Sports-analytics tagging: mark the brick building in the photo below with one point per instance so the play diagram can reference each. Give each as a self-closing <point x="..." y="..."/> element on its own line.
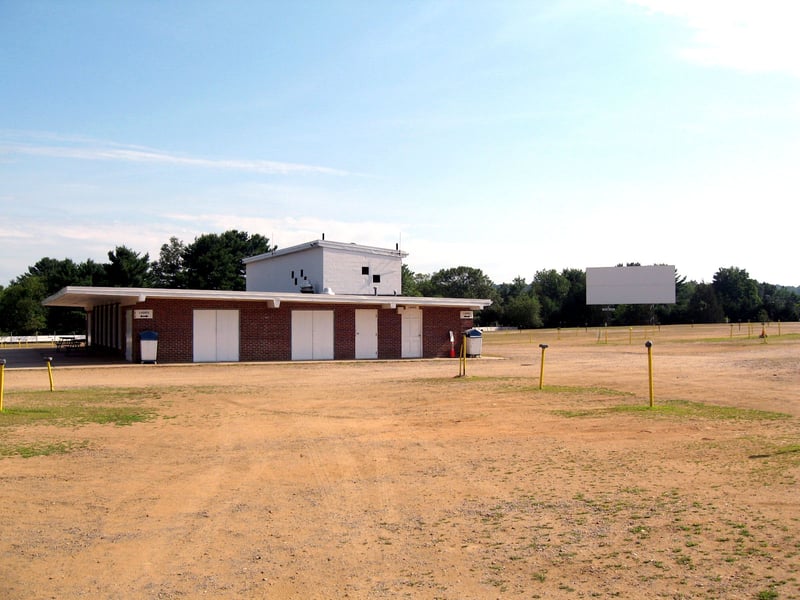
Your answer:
<point x="281" y="324"/>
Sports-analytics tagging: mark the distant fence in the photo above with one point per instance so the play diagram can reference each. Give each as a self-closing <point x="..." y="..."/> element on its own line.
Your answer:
<point x="24" y="340"/>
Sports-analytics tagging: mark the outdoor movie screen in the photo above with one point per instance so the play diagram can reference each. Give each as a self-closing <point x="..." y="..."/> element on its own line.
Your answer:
<point x="630" y="285"/>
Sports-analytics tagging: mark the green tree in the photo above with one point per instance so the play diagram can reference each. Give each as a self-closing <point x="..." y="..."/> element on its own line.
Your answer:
<point x="574" y="311"/>
<point x="678" y="312"/>
<point x="779" y="303"/>
<point x="737" y="293"/>
<point x="410" y="282"/>
<point x="551" y="288"/>
<point x="422" y="283"/>
<point x="214" y="261"/>
<point x="21" y="310"/>
<point x="703" y="306"/>
<point x="509" y="291"/>
<point x="522" y="311"/>
<point x="127" y="268"/>
<point x="55" y="274"/>
<point x="91" y="273"/>
<point x="168" y="270"/>
<point x="462" y="282"/>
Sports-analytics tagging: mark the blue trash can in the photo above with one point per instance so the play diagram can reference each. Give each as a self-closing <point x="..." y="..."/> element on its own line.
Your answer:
<point x="148" y="341"/>
<point x="474" y="343"/>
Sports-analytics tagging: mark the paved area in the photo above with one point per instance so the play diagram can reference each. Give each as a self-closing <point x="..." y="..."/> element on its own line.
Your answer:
<point x="27" y="357"/>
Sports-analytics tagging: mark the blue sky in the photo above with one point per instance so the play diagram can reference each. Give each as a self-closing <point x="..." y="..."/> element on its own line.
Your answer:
<point x="508" y="136"/>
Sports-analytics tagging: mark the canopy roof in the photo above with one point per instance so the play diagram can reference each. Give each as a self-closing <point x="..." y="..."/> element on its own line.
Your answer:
<point x="88" y="297"/>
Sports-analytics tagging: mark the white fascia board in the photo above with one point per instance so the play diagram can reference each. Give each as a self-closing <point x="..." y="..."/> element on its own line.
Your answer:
<point x="281" y="252"/>
<point x="87" y="297"/>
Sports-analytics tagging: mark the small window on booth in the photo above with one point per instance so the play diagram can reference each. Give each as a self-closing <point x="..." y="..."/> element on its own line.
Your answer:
<point x="365" y="270"/>
<point x="376" y="279"/>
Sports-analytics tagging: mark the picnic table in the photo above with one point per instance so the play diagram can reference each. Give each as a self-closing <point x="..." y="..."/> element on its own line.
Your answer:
<point x="67" y="343"/>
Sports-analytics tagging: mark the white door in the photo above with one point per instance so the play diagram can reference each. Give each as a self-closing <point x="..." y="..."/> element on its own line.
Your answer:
<point x="216" y="336"/>
<point x="228" y="335"/>
<point x="204" y="339"/>
<point x="302" y="335"/>
<point x="366" y="333"/>
<point x="312" y="335"/>
<point x="323" y="335"/>
<point x="412" y="332"/>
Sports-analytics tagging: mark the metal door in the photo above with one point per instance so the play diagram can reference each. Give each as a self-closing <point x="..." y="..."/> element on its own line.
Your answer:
<point x="366" y="333"/>
<point x="216" y="336"/>
<point x="312" y="335"/>
<point x="412" y="332"/>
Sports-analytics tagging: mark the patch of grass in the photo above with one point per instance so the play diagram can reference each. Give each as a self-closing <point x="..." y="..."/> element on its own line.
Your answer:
<point x="684" y="410"/>
<point x="592" y="390"/>
<point x="583" y="412"/>
<point x="78" y="407"/>
<point x="742" y="337"/>
<point x="790" y="449"/>
<point x="40" y="449"/>
<point x="769" y="594"/>
<point x="518" y="385"/>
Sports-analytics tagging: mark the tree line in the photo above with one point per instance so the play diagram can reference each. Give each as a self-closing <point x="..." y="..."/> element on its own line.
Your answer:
<point x="551" y="299"/>
<point x="558" y="299"/>
<point x="211" y="262"/>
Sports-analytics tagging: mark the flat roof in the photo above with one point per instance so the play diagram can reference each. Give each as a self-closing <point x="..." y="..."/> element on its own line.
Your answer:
<point x="354" y="248"/>
<point x="88" y="297"/>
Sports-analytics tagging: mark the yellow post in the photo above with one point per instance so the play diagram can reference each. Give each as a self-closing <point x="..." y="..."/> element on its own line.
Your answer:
<point x="48" y="360"/>
<point x="462" y="357"/>
<point x="779" y="329"/>
<point x="2" y="380"/>
<point x="731" y="330"/>
<point x="630" y="335"/>
<point x="649" y="346"/>
<point x="541" y="366"/>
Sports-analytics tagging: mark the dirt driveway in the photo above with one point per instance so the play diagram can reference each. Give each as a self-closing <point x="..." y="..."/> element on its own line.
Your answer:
<point x="398" y="479"/>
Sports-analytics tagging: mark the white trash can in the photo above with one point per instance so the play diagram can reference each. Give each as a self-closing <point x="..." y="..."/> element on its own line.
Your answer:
<point x="474" y="342"/>
<point x="148" y="341"/>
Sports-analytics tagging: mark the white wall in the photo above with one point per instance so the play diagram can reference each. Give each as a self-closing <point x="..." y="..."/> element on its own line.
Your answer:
<point x="339" y="269"/>
<point x="287" y="272"/>
<point x="344" y="272"/>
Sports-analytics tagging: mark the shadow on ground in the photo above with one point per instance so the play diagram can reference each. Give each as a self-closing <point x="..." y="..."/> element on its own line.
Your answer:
<point x="26" y="357"/>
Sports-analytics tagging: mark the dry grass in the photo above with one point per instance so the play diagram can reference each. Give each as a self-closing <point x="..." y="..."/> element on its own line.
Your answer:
<point x="398" y="479"/>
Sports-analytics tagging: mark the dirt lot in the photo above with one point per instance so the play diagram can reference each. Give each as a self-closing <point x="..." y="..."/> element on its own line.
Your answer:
<point x="399" y="479"/>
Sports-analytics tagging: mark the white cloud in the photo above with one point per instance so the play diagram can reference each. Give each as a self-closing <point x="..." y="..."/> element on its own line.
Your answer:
<point x="79" y="148"/>
<point x="738" y="34"/>
<point x="288" y="231"/>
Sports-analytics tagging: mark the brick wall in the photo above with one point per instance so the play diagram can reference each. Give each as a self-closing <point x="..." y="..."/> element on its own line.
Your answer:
<point x="437" y="323"/>
<point x="390" y="341"/>
<point x="344" y="332"/>
<point x="265" y="333"/>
